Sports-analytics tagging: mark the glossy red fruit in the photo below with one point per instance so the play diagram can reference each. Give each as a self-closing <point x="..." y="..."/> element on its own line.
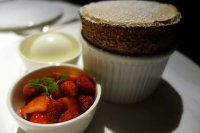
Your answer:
<point x="57" y="94"/>
<point x="68" y="88"/>
<point x="72" y="77"/>
<point x="86" y="85"/>
<point x="30" y="92"/>
<point x="54" y="111"/>
<point x="85" y="102"/>
<point x="69" y="102"/>
<point x="38" y="104"/>
<point x="68" y="115"/>
<point x="55" y="75"/>
<point x="39" y="117"/>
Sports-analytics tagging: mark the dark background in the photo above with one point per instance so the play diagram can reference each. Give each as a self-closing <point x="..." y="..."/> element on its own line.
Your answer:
<point x="187" y="29"/>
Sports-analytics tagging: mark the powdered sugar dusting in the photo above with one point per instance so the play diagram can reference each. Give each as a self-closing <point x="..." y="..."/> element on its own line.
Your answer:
<point x="128" y="12"/>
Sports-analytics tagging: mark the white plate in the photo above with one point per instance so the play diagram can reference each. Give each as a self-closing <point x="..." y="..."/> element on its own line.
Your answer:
<point x="174" y="107"/>
<point x="24" y="14"/>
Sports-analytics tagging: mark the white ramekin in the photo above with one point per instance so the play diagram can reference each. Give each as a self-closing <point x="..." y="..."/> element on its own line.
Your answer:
<point x="124" y="79"/>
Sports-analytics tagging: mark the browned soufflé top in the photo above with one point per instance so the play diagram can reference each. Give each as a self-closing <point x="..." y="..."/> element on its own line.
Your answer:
<point x="130" y="27"/>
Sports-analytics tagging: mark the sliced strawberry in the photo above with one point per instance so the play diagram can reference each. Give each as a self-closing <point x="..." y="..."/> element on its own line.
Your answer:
<point x="85" y="102"/>
<point x="54" y="110"/>
<point x="38" y="104"/>
<point x="68" y="115"/>
<point x="39" y="117"/>
<point x="57" y="94"/>
<point x="30" y="92"/>
<point x="86" y="85"/>
<point x="55" y="75"/>
<point x="68" y="88"/>
<point x="69" y="102"/>
<point x="72" y="77"/>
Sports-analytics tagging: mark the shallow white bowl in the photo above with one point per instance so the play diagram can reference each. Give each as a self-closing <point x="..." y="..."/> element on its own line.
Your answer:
<point x="49" y="48"/>
<point x="16" y="15"/>
<point x="124" y="79"/>
<point x="15" y="101"/>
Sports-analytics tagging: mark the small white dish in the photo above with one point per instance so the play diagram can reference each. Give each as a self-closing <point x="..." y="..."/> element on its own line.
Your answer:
<point x="17" y="15"/>
<point x="15" y="101"/>
<point x="47" y="48"/>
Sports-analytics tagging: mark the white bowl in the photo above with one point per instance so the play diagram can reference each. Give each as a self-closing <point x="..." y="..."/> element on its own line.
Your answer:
<point x="124" y="79"/>
<point x="47" y="48"/>
<point x="15" y="101"/>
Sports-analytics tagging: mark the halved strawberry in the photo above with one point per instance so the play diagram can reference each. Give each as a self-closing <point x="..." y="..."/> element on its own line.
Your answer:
<point x="68" y="88"/>
<point x="86" y="85"/>
<point x="39" y="117"/>
<point x="55" y="75"/>
<point x="69" y="102"/>
<point x="54" y="111"/>
<point x="30" y="92"/>
<point x="38" y="104"/>
<point x="68" y="115"/>
<point x="85" y="102"/>
<point x="72" y="77"/>
<point x="57" y="94"/>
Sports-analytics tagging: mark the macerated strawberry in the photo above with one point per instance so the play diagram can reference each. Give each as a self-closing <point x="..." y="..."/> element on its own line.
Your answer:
<point x="68" y="88"/>
<point x="55" y="75"/>
<point x="69" y="102"/>
<point x="57" y="94"/>
<point x="68" y="115"/>
<point x="54" y="111"/>
<point x="39" y="117"/>
<point x="38" y="104"/>
<point x="30" y="92"/>
<point x="86" y="85"/>
<point x="72" y="77"/>
<point x="85" y="102"/>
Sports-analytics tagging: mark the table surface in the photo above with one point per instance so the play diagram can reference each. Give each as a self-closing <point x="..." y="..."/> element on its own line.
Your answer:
<point x="174" y="107"/>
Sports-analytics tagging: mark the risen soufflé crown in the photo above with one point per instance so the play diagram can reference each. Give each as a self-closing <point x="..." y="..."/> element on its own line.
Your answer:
<point x="130" y="27"/>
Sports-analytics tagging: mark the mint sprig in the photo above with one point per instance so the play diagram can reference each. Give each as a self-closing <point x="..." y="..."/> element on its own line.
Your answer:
<point x="61" y="78"/>
<point x="46" y="84"/>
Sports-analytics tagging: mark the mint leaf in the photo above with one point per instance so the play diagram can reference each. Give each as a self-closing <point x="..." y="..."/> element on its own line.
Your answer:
<point x="52" y="87"/>
<point x="62" y="77"/>
<point x="46" y="84"/>
<point x="37" y="84"/>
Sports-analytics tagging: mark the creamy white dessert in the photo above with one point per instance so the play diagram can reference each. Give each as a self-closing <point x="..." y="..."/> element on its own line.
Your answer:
<point x="51" y="47"/>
